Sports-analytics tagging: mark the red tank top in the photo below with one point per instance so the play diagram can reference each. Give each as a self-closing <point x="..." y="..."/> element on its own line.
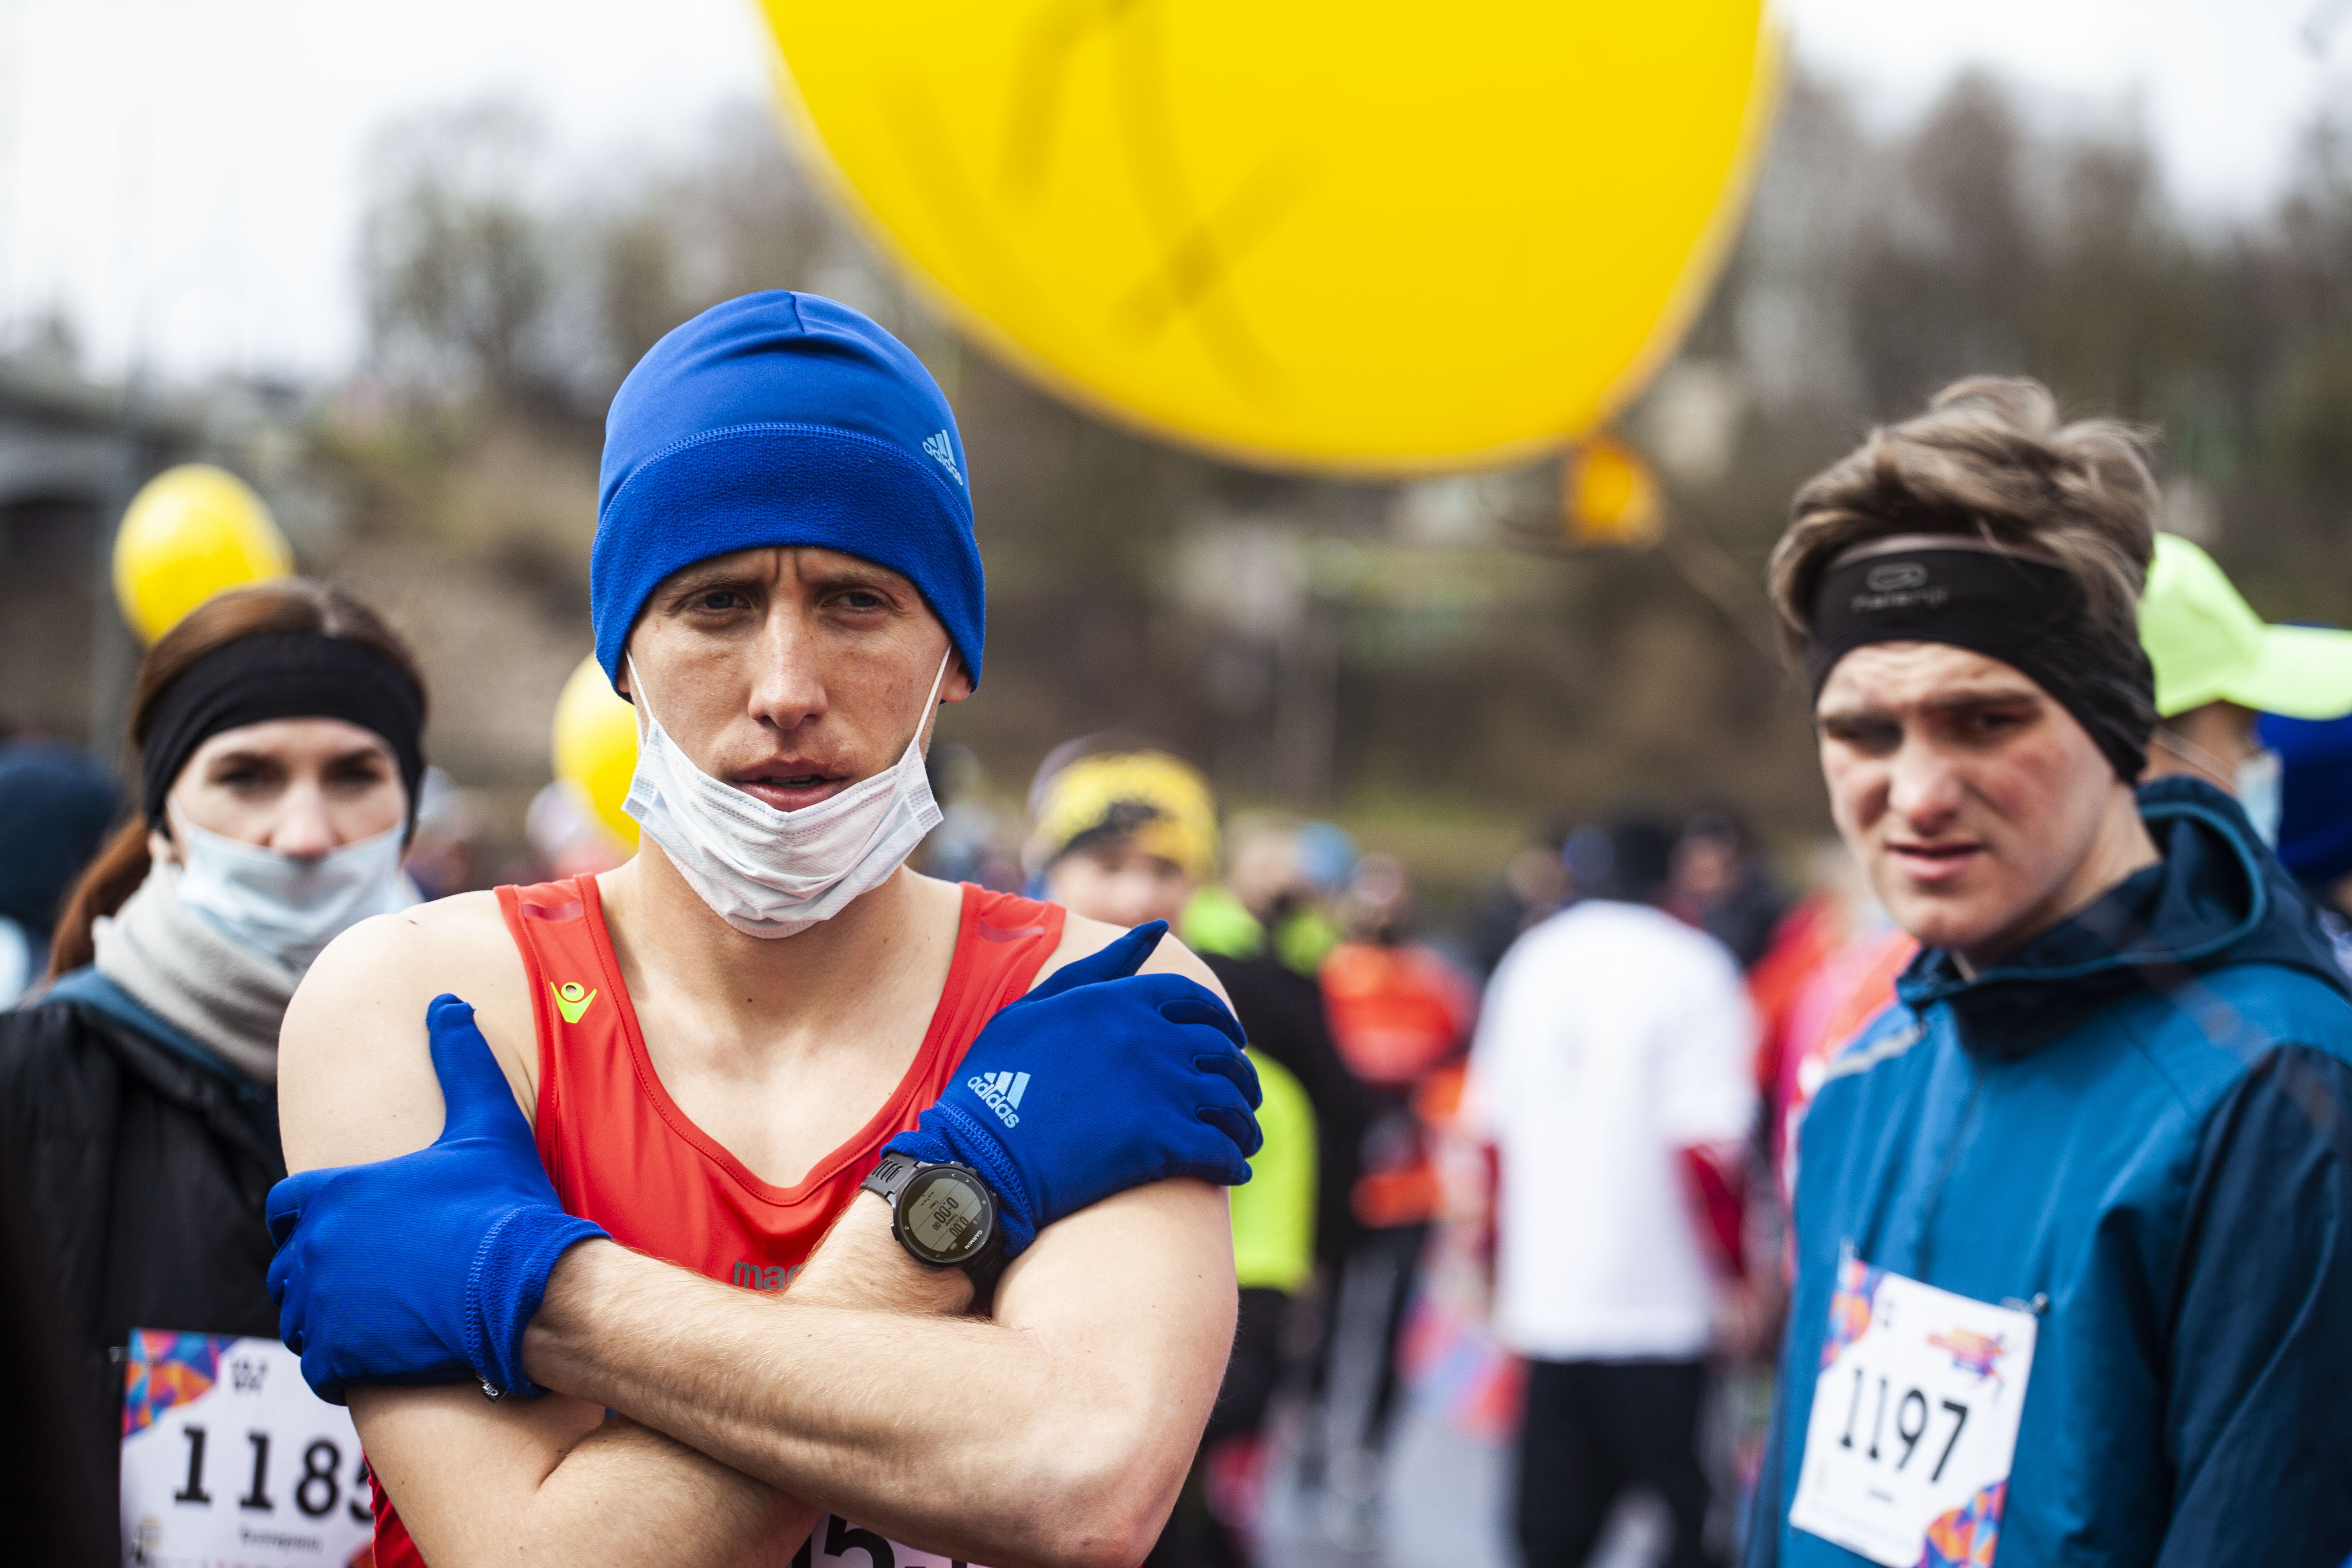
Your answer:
<point x="622" y="1153"/>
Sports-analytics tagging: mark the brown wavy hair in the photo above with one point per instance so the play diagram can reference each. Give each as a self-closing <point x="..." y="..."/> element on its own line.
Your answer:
<point x="1990" y="458"/>
<point x="289" y="605"/>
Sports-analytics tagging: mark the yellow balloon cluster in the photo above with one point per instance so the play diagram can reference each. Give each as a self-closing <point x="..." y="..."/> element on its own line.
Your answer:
<point x="190" y="532"/>
<point x="595" y="746"/>
<point x="1377" y="237"/>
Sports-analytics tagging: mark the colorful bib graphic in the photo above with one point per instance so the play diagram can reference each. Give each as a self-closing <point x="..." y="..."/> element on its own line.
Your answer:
<point x="1964" y="1538"/>
<point x="166" y="1369"/>
<point x="1849" y="1306"/>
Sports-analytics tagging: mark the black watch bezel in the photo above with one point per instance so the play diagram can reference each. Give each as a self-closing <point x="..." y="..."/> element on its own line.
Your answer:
<point x="904" y="1182"/>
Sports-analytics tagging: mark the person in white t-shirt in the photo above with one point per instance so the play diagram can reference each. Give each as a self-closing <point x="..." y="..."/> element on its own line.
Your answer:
<point x="1611" y="1071"/>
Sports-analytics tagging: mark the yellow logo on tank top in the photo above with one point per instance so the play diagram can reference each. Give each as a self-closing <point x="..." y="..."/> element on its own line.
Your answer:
<point x="571" y="999"/>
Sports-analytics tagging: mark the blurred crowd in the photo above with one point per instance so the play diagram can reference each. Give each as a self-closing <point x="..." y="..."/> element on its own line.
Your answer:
<point x="1645" y="1197"/>
<point x="1380" y="1200"/>
<point x="1531" y="1167"/>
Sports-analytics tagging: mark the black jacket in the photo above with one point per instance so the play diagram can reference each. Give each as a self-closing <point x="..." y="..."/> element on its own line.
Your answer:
<point x="146" y="1169"/>
<point x="1282" y="1012"/>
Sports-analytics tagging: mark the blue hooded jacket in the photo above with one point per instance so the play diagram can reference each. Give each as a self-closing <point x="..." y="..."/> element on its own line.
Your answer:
<point x="2141" y="1122"/>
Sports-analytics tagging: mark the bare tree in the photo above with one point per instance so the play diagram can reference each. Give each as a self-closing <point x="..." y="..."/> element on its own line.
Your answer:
<point x="454" y="258"/>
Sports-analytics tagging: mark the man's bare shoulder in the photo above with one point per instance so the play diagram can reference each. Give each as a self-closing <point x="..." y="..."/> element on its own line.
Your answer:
<point x="446" y="927"/>
<point x="355" y="1071"/>
<point x="457" y="943"/>
<point x="1081" y="936"/>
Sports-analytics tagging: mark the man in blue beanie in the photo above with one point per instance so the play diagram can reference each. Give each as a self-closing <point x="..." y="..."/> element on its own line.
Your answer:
<point x="980" y="1149"/>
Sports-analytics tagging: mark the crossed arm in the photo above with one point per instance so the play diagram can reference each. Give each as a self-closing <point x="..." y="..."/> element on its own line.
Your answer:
<point x="1055" y="1435"/>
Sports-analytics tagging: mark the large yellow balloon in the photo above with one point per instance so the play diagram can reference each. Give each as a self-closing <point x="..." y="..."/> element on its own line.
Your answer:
<point x="596" y="746"/>
<point x="188" y="533"/>
<point x="1372" y="238"/>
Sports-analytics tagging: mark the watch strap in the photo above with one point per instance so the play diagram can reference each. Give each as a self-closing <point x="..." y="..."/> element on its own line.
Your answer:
<point x="984" y="1266"/>
<point x="889" y="1177"/>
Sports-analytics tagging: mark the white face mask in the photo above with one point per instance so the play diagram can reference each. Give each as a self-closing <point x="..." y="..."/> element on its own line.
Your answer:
<point x="2261" y="783"/>
<point x="774" y="873"/>
<point x="284" y="907"/>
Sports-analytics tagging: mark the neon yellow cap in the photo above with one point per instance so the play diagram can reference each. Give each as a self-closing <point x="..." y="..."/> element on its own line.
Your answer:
<point x="2208" y="646"/>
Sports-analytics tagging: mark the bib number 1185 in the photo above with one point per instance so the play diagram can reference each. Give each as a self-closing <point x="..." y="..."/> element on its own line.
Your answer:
<point x="227" y="1456"/>
<point x="315" y="1492"/>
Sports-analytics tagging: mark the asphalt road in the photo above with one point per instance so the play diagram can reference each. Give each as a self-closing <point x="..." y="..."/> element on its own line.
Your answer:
<point x="1444" y="1505"/>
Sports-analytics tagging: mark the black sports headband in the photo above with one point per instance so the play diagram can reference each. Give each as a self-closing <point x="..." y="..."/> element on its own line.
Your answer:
<point x="282" y="675"/>
<point x="2020" y="609"/>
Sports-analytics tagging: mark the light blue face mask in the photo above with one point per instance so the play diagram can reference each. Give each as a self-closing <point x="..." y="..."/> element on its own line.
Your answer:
<point x="2260" y="785"/>
<point x="284" y="907"/>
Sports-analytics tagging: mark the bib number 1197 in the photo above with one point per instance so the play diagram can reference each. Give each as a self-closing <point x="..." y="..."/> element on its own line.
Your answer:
<point x="1914" y="1423"/>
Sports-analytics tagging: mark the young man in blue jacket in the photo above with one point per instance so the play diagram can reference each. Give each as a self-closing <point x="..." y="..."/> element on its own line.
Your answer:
<point x="2073" y="1219"/>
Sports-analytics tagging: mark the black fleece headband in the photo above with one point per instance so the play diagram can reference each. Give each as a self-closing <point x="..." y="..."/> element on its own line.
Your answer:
<point x="282" y="675"/>
<point x="2020" y="609"/>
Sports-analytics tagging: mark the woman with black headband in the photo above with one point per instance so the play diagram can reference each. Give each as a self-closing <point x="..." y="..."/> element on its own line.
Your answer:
<point x="2072" y="1219"/>
<point x="278" y="731"/>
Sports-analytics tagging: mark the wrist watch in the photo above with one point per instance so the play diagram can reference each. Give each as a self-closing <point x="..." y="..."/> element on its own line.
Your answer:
<point x="944" y="1216"/>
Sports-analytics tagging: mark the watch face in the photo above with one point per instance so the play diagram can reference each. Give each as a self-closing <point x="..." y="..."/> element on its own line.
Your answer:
<point x="945" y="1215"/>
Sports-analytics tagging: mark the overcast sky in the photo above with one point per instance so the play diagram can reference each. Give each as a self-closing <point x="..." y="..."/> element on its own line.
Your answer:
<point x="181" y="177"/>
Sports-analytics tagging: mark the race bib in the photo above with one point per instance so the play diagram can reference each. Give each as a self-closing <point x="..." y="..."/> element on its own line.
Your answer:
<point x="227" y="1456"/>
<point x="837" y="1543"/>
<point x="1915" y="1421"/>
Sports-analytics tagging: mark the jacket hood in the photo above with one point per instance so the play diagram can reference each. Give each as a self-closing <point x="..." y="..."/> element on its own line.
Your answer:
<point x="2218" y="896"/>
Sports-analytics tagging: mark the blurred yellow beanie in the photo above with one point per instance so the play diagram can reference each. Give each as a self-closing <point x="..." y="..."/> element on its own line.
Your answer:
<point x="1160" y="803"/>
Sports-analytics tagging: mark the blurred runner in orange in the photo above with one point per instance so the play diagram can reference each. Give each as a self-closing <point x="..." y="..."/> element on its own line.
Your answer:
<point x="1400" y="1012"/>
<point x="1831" y="970"/>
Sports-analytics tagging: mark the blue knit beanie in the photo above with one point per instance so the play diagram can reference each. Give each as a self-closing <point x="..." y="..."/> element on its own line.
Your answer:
<point x="2314" y="797"/>
<point x="779" y="420"/>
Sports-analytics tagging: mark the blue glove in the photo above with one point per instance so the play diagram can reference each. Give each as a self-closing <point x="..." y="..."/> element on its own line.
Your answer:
<point x="425" y="1268"/>
<point x="1098" y="1080"/>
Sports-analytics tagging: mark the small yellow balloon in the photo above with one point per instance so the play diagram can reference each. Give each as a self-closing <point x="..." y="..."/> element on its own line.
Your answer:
<point x="1372" y="237"/>
<point x="190" y="532"/>
<point x="1612" y="496"/>
<point x="595" y="746"/>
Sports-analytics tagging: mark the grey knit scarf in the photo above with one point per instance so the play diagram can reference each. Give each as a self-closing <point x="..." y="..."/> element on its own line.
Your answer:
<point x="184" y="970"/>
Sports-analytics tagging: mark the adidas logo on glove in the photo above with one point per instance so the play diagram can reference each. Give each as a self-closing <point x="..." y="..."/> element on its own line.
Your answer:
<point x="1002" y="1092"/>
